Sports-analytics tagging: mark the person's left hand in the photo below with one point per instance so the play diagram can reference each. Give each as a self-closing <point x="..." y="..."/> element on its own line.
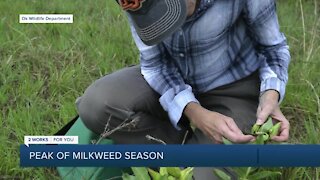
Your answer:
<point x="269" y="106"/>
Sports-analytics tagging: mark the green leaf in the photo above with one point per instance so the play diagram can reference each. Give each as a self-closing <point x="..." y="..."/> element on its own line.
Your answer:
<point x="241" y="172"/>
<point x="274" y="131"/>
<point x="266" y="126"/>
<point x="174" y="171"/>
<point x="226" y="141"/>
<point x="264" y="174"/>
<point x="126" y="176"/>
<point x="244" y="171"/>
<point x="221" y="174"/>
<point x="186" y="174"/>
<point x="141" y="173"/>
<point x="255" y="128"/>
<point x="259" y="139"/>
<point x="253" y="169"/>
<point x="155" y="175"/>
<point x="163" y="171"/>
<point x="265" y="137"/>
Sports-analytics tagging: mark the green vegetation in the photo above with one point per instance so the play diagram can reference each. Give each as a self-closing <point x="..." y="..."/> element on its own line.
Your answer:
<point x="44" y="68"/>
<point x="165" y="173"/>
<point x="263" y="133"/>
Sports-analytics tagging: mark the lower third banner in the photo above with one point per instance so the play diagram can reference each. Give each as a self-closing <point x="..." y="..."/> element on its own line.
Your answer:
<point x="170" y="155"/>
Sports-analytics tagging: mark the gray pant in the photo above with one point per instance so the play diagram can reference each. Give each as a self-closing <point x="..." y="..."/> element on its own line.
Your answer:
<point x="124" y="95"/>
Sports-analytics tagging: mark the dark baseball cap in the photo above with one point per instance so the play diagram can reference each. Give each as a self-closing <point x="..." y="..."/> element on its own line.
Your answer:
<point x="154" y="20"/>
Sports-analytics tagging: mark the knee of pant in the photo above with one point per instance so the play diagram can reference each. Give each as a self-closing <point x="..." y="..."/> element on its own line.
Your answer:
<point x="91" y="108"/>
<point x="98" y="103"/>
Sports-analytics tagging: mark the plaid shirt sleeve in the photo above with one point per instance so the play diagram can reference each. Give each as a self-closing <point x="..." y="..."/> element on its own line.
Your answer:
<point x="263" y="23"/>
<point x="163" y="76"/>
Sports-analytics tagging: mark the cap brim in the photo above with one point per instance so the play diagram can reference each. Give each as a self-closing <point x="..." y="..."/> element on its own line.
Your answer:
<point x="158" y="19"/>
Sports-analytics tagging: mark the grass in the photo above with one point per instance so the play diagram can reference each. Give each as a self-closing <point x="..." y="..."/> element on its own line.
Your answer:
<point x="44" y="68"/>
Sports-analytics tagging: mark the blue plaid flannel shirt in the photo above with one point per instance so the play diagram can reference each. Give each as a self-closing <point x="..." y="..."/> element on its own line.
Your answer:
<point x="222" y="42"/>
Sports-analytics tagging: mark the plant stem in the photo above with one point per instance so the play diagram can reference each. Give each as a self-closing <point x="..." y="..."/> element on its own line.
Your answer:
<point x="303" y="27"/>
<point x="248" y="172"/>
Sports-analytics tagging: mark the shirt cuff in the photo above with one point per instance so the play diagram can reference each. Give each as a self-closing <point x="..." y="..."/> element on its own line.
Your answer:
<point x="274" y="84"/>
<point x="175" y="104"/>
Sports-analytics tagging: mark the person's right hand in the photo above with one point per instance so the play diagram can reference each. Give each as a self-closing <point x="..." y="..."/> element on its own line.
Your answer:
<point x="215" y="125"/>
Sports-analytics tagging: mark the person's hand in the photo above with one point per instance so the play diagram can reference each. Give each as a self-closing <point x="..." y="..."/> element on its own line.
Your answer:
<point x="215" y="125"/>
<point x="269" y="106"/>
